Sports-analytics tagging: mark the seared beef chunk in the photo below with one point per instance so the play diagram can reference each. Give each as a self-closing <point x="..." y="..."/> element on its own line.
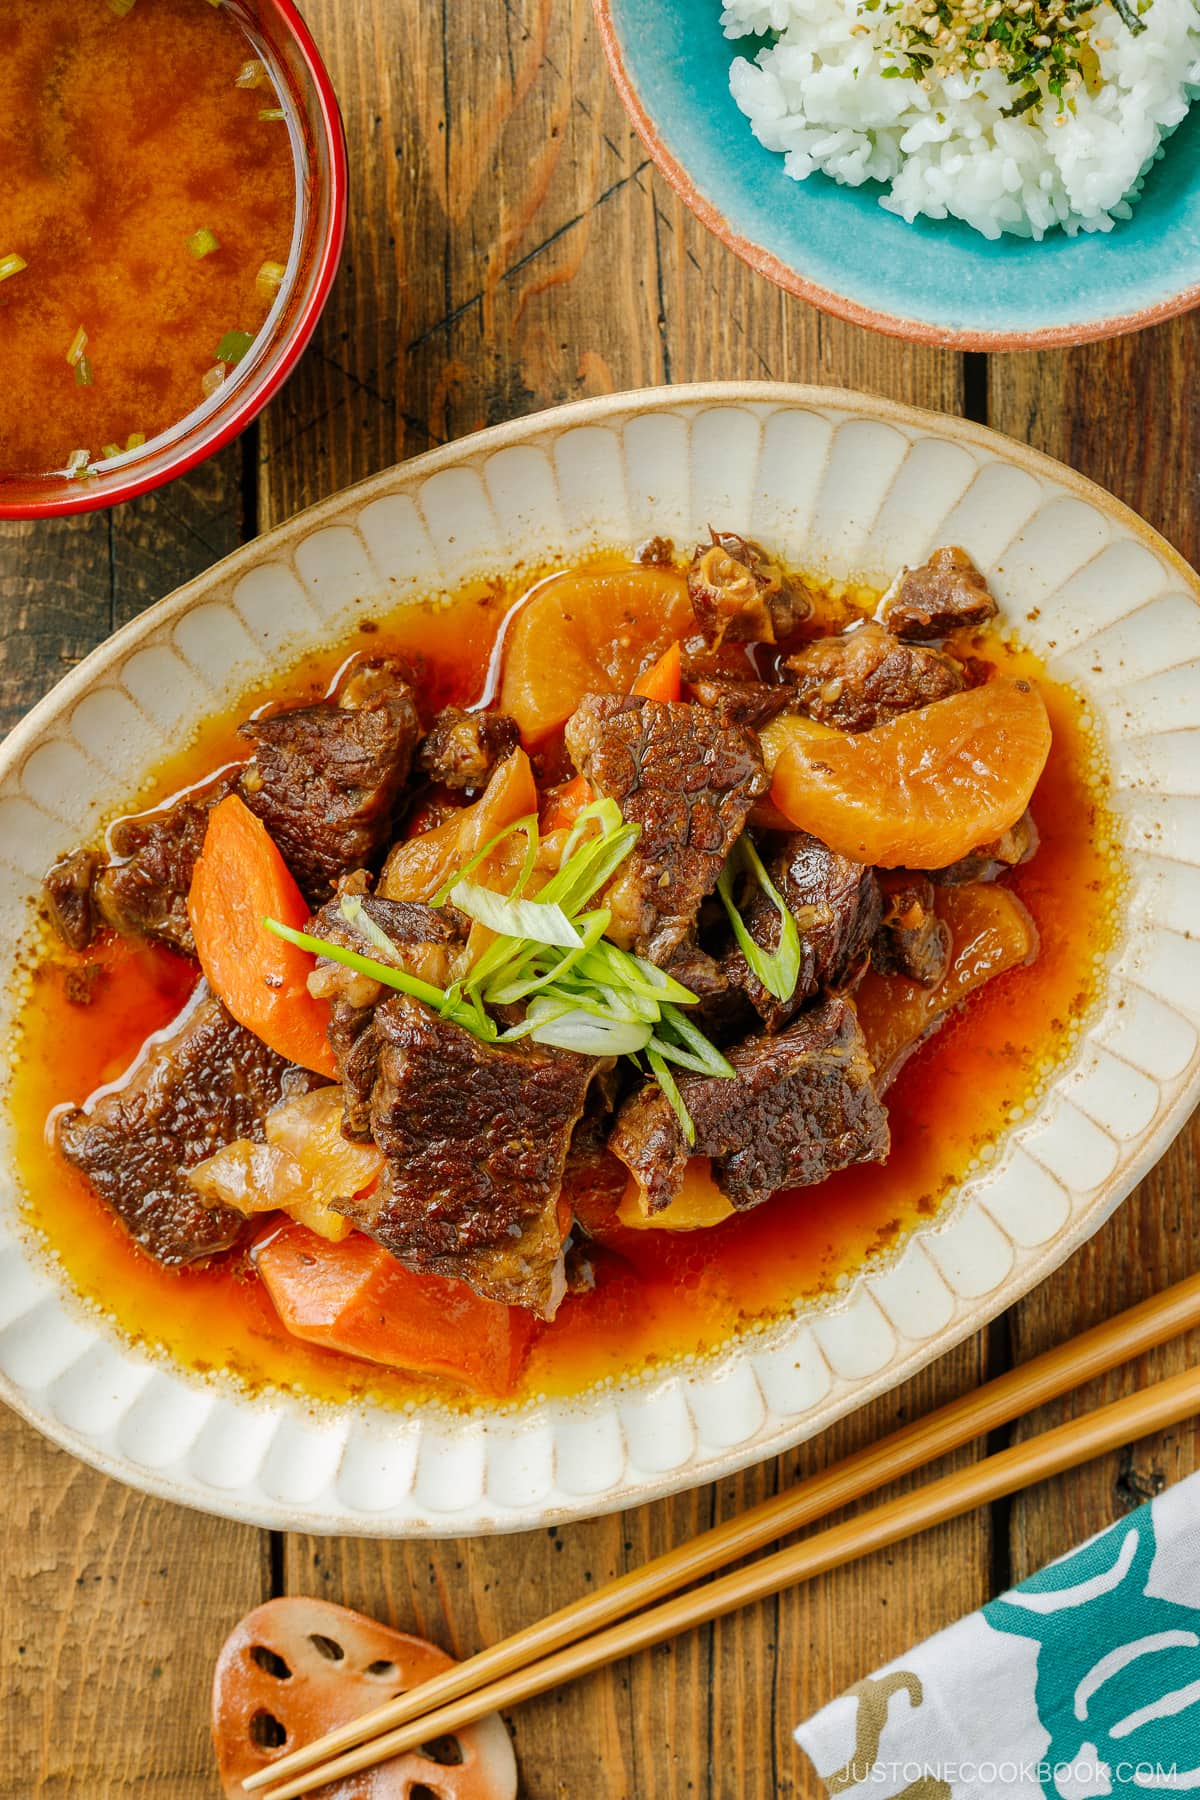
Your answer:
<point x="866" y="677"/>
<point x="68" y="892"/>
<point x="739" y="593"/>
<point x="476" y="1139"/>
<point x="697" y="970"/>
<point x="588" y="1161"/>
<point x="727" y="683"/>
<point x="943" y="594"/>
<point x="1016" y="846"/>
<point x="801" y="1106"/>
<point x="911" y="941"/>
<point x="210" y="1081"/>
<point x="463" y="749"/>
<point x="412" y="928"/>
<point x="325" y="779"/>
<point x="143" y="891"/>
<point x="835" y="903"/>
<point x="688" y="780"/>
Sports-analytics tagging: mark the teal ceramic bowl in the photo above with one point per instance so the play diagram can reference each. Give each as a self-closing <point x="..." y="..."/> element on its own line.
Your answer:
<point x="932" y="282"/>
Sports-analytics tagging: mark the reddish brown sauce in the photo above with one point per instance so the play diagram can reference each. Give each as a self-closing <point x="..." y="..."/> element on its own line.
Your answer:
<point x="659" y="1295"/>
<point x="121" y="139"/>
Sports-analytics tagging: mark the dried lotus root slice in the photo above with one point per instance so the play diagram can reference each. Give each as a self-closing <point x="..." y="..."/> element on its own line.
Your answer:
<point x="296" y="1668"/>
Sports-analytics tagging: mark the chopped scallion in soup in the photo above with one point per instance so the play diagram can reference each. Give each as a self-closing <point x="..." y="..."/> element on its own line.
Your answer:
<point x="146" y="217"/>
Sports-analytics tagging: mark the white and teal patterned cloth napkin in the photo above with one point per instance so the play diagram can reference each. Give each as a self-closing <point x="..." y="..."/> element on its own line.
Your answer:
<point x="1083" y="1681"/>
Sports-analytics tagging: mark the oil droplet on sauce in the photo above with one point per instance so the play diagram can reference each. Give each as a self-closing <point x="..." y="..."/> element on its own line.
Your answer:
<point x="658" y="1296"/>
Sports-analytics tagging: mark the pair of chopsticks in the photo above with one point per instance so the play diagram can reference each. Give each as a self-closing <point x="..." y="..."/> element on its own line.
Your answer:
<point x="598" y="1629"/>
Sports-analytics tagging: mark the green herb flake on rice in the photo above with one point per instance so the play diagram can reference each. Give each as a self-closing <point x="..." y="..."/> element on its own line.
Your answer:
<point x="1016" y="116"/>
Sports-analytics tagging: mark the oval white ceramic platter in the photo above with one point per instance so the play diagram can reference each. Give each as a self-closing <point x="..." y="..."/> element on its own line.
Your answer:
<point x="835" y="481"/>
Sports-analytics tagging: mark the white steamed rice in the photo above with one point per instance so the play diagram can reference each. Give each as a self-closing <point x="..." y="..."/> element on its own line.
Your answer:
<point x="818" y="95"/>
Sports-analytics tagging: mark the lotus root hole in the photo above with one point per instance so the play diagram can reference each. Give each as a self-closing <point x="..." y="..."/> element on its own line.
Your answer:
<point x="383" y="1670"/>
<point x="268" y="1732"/>
<point x="327" y="1647"/>
<point x="444" y="1750"/>
<point x="271" y="1662"/>
<point x="421" y="1792"/>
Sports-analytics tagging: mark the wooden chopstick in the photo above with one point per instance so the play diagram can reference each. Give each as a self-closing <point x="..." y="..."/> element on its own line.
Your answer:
<point x="1104" y="1347"/>
<point x="1077" y="1441"/>
<point x="1020" y="1390"/>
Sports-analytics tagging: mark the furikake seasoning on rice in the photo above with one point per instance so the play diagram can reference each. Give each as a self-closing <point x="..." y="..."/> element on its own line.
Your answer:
<point x="1013" y="115"/>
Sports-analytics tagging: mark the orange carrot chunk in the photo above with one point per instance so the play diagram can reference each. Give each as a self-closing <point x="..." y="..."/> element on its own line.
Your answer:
<point x="239" y="880"/>
<point x="356" y="1298"/>
<point x="663" y="680"/>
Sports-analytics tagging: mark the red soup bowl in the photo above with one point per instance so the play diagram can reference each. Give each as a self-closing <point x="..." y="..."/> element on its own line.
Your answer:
<point x="319" y="147"/>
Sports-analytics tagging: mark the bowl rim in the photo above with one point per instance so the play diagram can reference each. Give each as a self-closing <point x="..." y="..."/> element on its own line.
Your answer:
<point x="485" y="1518"/>
<point x="327" y="120"/>
<point x="841" y="306"/>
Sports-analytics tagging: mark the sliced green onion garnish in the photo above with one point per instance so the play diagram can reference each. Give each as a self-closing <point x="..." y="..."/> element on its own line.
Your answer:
<point x="585" y="1033"/>
<point x="582" y="993"/>
<point x="666" y="1082"/>
<point x="233" y="346"/>
<point x="78" y="346"/>
<point x="610" y="964"/>
<point x="537" y="970"/>
<point x="532" y="920"/>
<point x="678" y="1025"/>
<point x="108" y="451"/>
<point x="477" y="1023"/>
<point x="212" y="379"/>
<point x="271" y="112"/>
<point x="591" y="866"/>
<point x="606" y="813"/>
<point x="269" y="280"/>
<point x="528" y="824"/>
<point x="121" y="7"/>
<point x="12" y="264"/>
<point x="135" y="440"/>
<point x="360" y="920"/>
<point x="83" y="372"/>
<point x="78" y="465"/>
<point x="700" y="1065"/>
<point x="778" y="969"/>
<point x="251" y="74"/>
<point x="203" y="242"/>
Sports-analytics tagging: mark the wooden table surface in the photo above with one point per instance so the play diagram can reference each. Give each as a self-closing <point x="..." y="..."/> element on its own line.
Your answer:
<point x="511" y="247"/>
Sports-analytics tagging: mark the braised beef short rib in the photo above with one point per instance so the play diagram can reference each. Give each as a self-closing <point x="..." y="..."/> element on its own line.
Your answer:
<point x="740" y="594"/>
<point x="476" y="1138"/>
<point x="204" y="1083"/>
<point x="911" y="940"/>
<point x="945" y="594"/>
<point x="67" y="891"/>
<point x="464" y="749"/>
<point x="801" y="1106"/>
<point x="866" y="676"/>
<point x="411" y="927"/>
<point x="835" y="903"/>
<point x="688" y="779"/>
<point x="325" y="779"/>
<point x="142" y="889"/>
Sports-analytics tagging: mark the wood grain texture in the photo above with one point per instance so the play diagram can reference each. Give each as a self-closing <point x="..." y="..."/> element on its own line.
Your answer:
<point x="112" y="1609"/>
<point x="1123" y="413"/>
<point x="510" y="248"/>
<point x="67" y="584"/>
